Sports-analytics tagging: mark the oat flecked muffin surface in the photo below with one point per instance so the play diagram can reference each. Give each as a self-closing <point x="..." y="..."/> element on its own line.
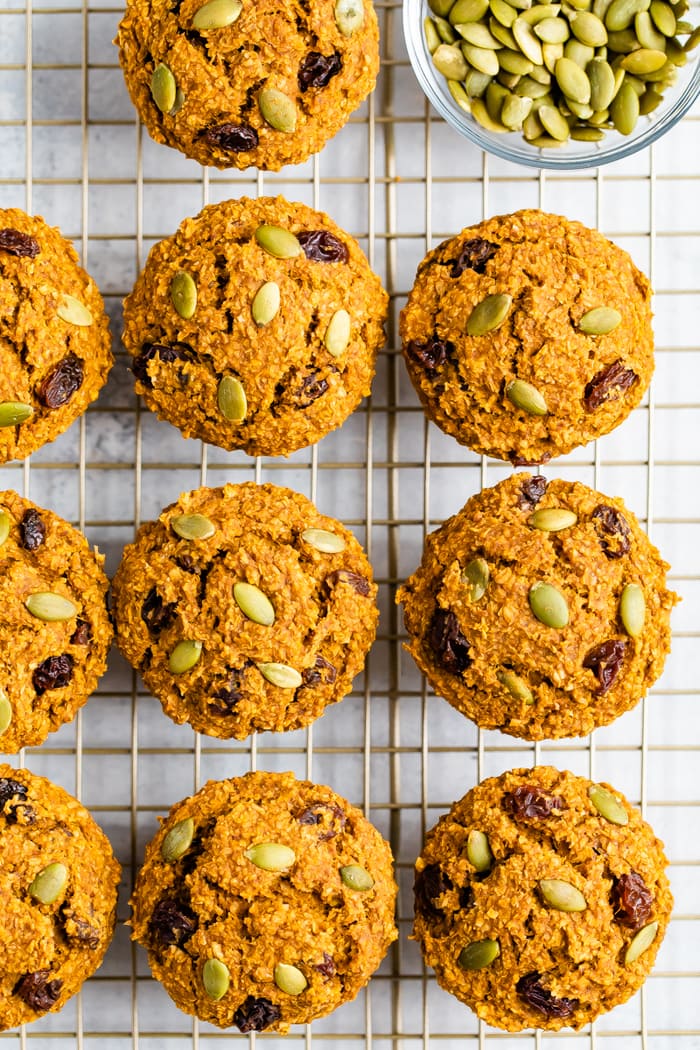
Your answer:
<point x="54" y="338"/>
<point x="264" y="901"/>
<point x="528" y="335"/>
<point x="245" y="609"/>
<point x="255" y="326"/>
<point x="540" y="609"/>
<point x="53" y="616"/>
<point x="58" y="883"/>
<point x="541" y="899"/>
<point x="254" y="83"/>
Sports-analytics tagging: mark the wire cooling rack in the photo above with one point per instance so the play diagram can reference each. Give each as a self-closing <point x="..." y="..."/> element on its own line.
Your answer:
<point x="400" y="180"/>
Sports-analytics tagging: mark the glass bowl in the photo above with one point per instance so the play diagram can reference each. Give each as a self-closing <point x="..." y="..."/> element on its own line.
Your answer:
<point x="511" y="145"/>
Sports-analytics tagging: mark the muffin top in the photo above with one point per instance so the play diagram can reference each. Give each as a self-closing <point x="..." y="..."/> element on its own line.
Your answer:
<point x="264" y="901"/>
<point x="236" y="83"/>
<point x="527" y="335"/>
<point x="55" y="350"/>
<point x="541" y="899"/>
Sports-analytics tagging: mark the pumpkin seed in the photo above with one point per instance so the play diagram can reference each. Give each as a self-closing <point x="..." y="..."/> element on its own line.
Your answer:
<point x="647" y="34"/>
<point x="589" y="29"/>
<point x="266" y="303"/>
<point x="548" y="605"/>
<point x="489" y="314"/>
<point x="356" y="878"/>
<point x="4" y="526"/>
<point x="445" y="31"/>
<point x="278" y="110"/>
<point x="649" y="101"/>
<point x="552" y="30"/>
<point x="231" y="398"/>
<point x="281" y="675"/>
<point x="526" y="397"/>
<point x="640" y="942"/>
<point x="216" y="14"/>
<point x="527" y="41"/>
<point x="50" y="607"/>
<point x="516" y="686"/>
<point x="514" y="62"/>
<point x="271" y="856"/>
<point x="515" y="110"/>
<point x="539" y="12"/>
<point x="624" y="109"/>
<point x="12" y="413"/>
<point x="553" y="122"/>
<point x="163" y="88"/>
<point x="663" y="17"/>
<point x="476" y="83"/>
<point x="600" y="320"/>
<point x="552" y="519"/>
<point x="289" y="979"/>
<point x="432" y="38"/>
<point x="5" y="711"/>
<point x="609" y="807"/>
<point x="337" y="334"/>
<point x="479" y="954"/>
<point x="50" y="883"/>
<point x="496" y="94"/>
<point x="278" y="242"/>
<point x="177" y="841"/>
<point x="632" y="609"/>
<point x="643" y="61"/>
<point x="215" y="978"/>
<point x="481" y="58"/>
<point x="602" y="80"/>
<point x="192" y="526"/>
<point x="350" y="16"/>
<point x="254" y="604"/>
<point x="551" y="53"/>
<point x="72" y="311"/>
<point x="572" y="80"/>
<point x="449" y="60"/>
<point x="562" y="895"/>
<point x="479" y="852"/>
<point x="576" y="109"/>
<point x="693" y="40"/>
<point x="459" y="95"/>
<point x="440" y="7"/>
<point x="503" y="12"/>
<point x="621" y="13"/>
<point x="468" y="11"/>
<point x="529" y="88"/>
<point x="183" y="293"/>
<point x="478" y="34"/>
<point x="481" y="116"/>
<point x="476" y="575"/>
<point x="184" y="656"/>
<point x="321" y="540"/>
<point x="532" y="128"/>
<point x="541" y="75"/>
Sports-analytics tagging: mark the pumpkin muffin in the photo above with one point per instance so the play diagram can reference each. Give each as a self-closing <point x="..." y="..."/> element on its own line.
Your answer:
<point x="540" y="609"/>
<point x="58" y="883"/>
<point x="541" y="900"/>
<point x="55" y="351"/>
<point x="264" y="901"/>
<point x="255" y="326"/>
<point x="245" y="609"/>
<point x="528" y="335"/>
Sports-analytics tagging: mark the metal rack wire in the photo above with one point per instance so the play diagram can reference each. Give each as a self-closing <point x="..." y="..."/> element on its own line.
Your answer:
<point x="396" y="177"/>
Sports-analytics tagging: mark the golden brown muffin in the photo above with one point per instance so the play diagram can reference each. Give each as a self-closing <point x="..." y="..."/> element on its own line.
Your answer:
<point x="264" y="901"/>
<point x="541" y="899"/>
<point x="255" y="326"/>
<point x="54" y="337"/>
<point x="54" y="620"/>
<point x="58" y="884"/>
<point x="245" y="609"/>
<point x="528" y="335"/>
<point x="254" y="83"/>
<point x="539" y="609"/>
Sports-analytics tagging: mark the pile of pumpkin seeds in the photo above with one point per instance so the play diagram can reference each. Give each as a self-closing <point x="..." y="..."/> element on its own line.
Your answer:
<point x="560" y="70"/>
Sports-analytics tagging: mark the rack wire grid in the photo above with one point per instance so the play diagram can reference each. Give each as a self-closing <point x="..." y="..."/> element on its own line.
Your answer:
<point x="399" y="179"/>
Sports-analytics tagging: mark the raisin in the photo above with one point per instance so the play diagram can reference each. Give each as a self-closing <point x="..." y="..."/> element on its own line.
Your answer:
<point x="227" y="697"/>
<point x="608" y="384"/>
<point x="330" y="816"/>
<point x="79" y="930"/>
<point x="322" y="246"/>
<point x="157" y="614"/>
<point x="531" y="492"/>
<point x="632" y="900"/>
<point x="521" y="461"/>
<point x="58" y="387"/>
<point x="327" y="967"/>
<point x="82" y="634"/>
<point x="466" y="895"/>
<point x="527" y="802"/>
<point x="605" y="661"/>
<point x="254" y="1015"/>
<point x="32" y="530"/>
<point x="11" y="790"/>
<point x="429" y="884"/>
<point x="16" y="243"/>
<point x="360" y="584"/>
<point x="187" y="563"/>
<point x="171" y="923"/>
<point x="431" y="354"/>
<point x="317" y="70"/>
<point x="322" y="672"/>
<point x="311" y="389"/>
<point x="612" y="530"/>
<point x="531" y="991"/>
<point x="54" y="673"/>
<point x="448" y="643"/>
<point x="37" y="991"/>
<point x="236" y="138"/>
<point x="474" y="255"/>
